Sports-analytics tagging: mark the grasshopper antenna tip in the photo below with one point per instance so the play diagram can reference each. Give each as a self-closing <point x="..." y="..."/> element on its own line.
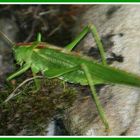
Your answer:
<point x="5" y="37"/>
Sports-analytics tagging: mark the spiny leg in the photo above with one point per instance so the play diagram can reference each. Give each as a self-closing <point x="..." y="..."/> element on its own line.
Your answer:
<point x="82" y="34"/>
<point x="94" y="96"/>
<point x="25" y="67"/>
<point x="90" y="28"/>
<point x="98" y="42"/>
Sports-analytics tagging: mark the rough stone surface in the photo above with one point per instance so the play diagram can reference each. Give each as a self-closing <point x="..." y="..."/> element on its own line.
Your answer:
<point x="119" y="28"/>
<point x="10" y="29"/>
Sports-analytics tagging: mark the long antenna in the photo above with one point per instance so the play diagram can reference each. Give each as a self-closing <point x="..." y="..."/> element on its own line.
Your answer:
<point x="6" y="38"/>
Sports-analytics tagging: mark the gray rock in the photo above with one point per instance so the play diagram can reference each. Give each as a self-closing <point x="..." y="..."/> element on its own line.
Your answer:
<point x="50" y="131"/>
<point x="10" y="29"/>
<point x="119" y="28"/>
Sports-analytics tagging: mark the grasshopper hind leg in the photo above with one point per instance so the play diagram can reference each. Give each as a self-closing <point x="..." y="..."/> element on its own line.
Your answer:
<point x="82" y="34"/>
<point x="90" y="28"/>
<point x="95" y="97"/>
<point x="98" y="41"/>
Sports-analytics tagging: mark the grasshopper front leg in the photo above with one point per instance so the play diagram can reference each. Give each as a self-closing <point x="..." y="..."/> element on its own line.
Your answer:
<point x="94" y="96"/>
<point x="25" y="68"/>
<point x="90" y="28"/>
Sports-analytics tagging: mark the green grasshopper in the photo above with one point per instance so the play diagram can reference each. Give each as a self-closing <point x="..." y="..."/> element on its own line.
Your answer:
<point x="70" y="66"/>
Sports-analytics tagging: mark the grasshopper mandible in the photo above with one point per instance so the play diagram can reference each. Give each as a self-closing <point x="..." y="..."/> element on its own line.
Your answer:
<point x="70" y="66"/>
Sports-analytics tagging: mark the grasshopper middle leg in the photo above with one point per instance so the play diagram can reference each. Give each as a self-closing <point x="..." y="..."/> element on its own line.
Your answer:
<point x="93" y="90"/>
